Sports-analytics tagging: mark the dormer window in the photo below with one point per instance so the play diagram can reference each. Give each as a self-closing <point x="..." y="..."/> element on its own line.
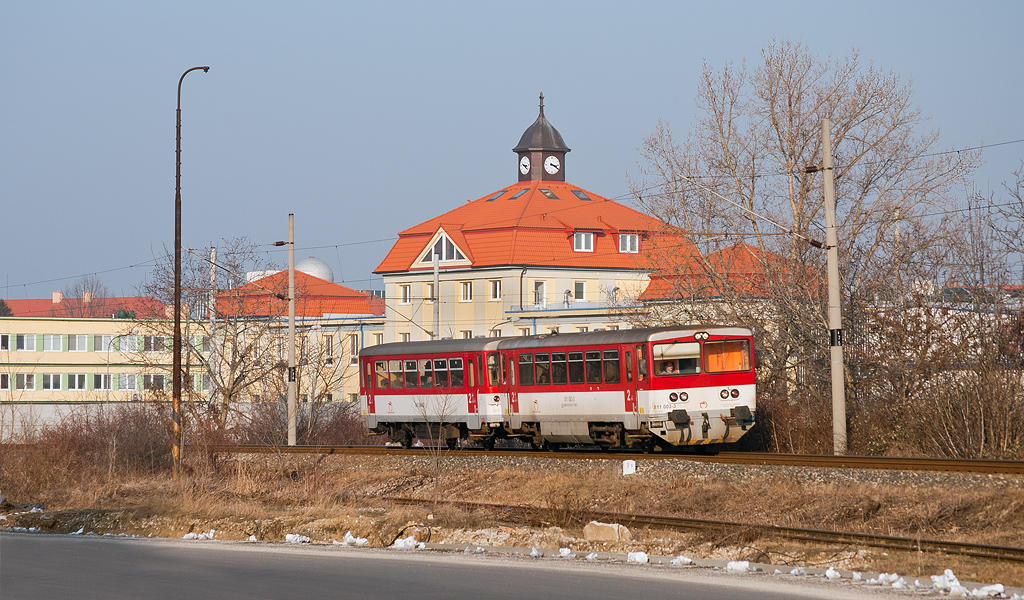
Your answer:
<point x="629" y="243"/>
<point x="549" y="194"/>
<point x="583" y="241"/>
<point x="445" y="251"/>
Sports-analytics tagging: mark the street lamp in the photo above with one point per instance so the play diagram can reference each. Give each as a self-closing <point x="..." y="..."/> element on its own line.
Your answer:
<point x="510" y="320"/>
<point x="176" y="368"/>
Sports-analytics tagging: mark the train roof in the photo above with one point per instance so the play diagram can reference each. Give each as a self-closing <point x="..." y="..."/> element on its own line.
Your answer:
<point x="618" y="336"/>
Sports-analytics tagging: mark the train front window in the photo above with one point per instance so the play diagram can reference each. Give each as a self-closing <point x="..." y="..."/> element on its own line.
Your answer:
<point x="677" y="358"/>
<point x="455" y="372"/>
<point x="575" y="367"/>
<point x="426" y="373"/>
<point x="559" y="372"/>
<point x="493" y="369"/>
<point x="440" y="373"/>
<point x="543" y="368"/>
<point x="611" y="366"/>
<point x="525" y="369"/>
<point x="727" y="355"/>
<point x="593" y="366"/>
<point x="397" y="380"/>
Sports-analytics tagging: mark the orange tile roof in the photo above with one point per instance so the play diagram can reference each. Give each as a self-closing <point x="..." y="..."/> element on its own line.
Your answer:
<point x="144" y="307"/>
<point x="533" y="229"/>
<point x="314" y="297"/>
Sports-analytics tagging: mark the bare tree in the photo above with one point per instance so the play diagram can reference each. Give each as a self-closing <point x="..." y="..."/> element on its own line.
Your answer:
<point x="85" y="297"/>
<point x="738" y="184"/>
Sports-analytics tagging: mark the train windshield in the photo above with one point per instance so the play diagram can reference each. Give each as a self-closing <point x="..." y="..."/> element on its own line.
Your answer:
<point x="727" y="355"/>
<point x="677" y="358"/>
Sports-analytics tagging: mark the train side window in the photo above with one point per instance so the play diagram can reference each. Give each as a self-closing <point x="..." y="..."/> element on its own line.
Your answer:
<point x="440" y="372"/>
<point x="641" y="362"/>
<point x="525" y="369"/>
<point x="727" y="355"/>
<point x="559" y="372"/>
<point x="471" y="371"/>
<point x="629" y="366"/>
<point x="410" y="373"/>
<point x="367" y="374"/>
<point x="575" y="367"/>
<point x="382" y="375"/>
<point x="426" y="373"/>
<point x="455" y="373"/>
<point x="593" y="366"/>
<point x="511" y="372"/>
<point x="493" y="368"/>
<point x="543" y="368"/>
<point x="395" y="369"/>
<point x="611" y="366"/>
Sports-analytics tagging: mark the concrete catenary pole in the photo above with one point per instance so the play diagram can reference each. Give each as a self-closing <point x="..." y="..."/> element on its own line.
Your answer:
<point x="213" y="323"/>
<point x="292" y="409"/>
<point x="435" y="333"/>
<point x="835" y="315"/>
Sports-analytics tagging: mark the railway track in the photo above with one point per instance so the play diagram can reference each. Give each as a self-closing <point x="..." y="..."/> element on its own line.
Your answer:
<point x="975" y="466"/>
<point x="843" y="538"/>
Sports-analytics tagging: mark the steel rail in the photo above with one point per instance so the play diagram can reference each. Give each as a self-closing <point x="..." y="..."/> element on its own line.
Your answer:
<point x="975" y="466"/>
<point x="888" y="542"/>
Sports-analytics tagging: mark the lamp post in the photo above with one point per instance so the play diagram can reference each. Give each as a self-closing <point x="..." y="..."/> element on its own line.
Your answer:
<point x="176" y="367"/>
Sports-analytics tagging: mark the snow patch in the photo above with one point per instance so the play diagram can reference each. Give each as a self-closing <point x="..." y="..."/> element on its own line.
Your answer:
<point x="199" y="536"/>
<point x="680" y="560"/>
<point x="738" y="566"/>
<point x="295" y="538"/>
<point x="640" y="558"/>
<point x="408" y="543"/>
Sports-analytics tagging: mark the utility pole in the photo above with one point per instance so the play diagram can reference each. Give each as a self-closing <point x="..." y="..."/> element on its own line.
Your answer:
<point x="213" y="322"/>
<point x="435" y="333"/>
<point x="292" y="409"/>
<point x="835" y="315"/>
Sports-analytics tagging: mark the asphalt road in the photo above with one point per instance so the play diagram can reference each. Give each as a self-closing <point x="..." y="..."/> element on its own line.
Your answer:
<point x="34" y="566"/>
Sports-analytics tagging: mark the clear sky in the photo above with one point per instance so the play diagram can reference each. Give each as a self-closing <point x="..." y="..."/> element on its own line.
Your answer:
<point x="366" y="118"/>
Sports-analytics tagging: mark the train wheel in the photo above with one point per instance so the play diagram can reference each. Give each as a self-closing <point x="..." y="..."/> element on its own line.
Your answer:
<point x="452" y="443"/>
<point x="406" y="439"/>
<point x="487" y="443"/>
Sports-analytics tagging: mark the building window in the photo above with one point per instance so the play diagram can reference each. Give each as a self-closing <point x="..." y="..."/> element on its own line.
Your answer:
<point x="378" y="339"/>
<point x="5" y="341"/>
<point x="51" y="381"/>
<point x="353" y="349"/>
<point x="76" y="381"/>
<point x="613" y="328"/>
<point x="406" y="293"/>
<point x="51" y="343"/>
<point x="579" y="291"/>
<point x="467" y="291"/>
<point x="78" y="343"/>
<point x="524" y="331"/>
<point x="25" y="381"/>
<point x="582" y="329"/>
<point x="549" y="194"/>
<point x="26" y="342"/>
<point x="539" y="298"/>
<point x="583" y="241"/>
<point x="494" y="333"/>
<point x="127" y="343"/>
<point x="581" y="195"/>
<point x="430" y="293"/>
<point x="629" y="242"/>
<point x="5" y="381"/>
<point x="102" y="343"/>
<point x="552" y="330"/>
<point x="467" y="334"/>
<point x="102" y="381"/>
<point x="445" y="251"/>
<point x="495" y="287"/>
<point x="126" y="382"/>
<point x="405" y="337"/>
<point x="154" y="343"/>
<point x="153" y="383"/>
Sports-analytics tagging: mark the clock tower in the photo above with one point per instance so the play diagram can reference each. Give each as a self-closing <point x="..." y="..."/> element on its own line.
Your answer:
<point x="541" y="151"/>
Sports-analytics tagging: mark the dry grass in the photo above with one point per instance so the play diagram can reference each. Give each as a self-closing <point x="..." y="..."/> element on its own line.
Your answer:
<point x="121" y="491"/>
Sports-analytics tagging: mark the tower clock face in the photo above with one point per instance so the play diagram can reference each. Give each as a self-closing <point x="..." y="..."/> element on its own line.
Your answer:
<point x="524" y="165"/>
<point x="551" y="165"/>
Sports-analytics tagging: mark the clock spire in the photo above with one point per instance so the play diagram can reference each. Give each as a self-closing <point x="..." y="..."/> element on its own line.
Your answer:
<point x="541" y="151"/>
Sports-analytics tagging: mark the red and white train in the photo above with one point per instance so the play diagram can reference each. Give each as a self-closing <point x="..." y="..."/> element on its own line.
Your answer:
<point x="637" y="388"/>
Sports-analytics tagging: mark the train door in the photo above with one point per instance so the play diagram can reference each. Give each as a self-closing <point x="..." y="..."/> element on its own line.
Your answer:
<point x="366" y="380"/>
<point x="510" y="395"/>
<point x="473" y="384"/>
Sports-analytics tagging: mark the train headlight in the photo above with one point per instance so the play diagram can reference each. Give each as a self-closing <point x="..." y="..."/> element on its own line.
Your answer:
<point x="735" y="393"/>
<point x="673" y="396"/>
<point x="683" y="396"/>
<point x="724" y="394"/>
